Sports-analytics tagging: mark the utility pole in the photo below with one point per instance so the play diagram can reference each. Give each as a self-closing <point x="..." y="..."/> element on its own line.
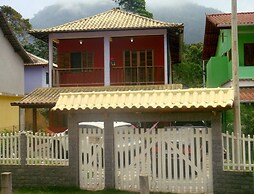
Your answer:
<point x="235" y="67"/>
<point x="235" y="77"/>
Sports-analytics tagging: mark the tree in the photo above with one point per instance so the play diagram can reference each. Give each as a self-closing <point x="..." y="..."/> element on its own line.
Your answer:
<point x="20" y="27"/>
<point x="190" y="71"/>
<point x="38" y="48"/>
<point x="135" y="6"/>
<point x="18" y="24"/>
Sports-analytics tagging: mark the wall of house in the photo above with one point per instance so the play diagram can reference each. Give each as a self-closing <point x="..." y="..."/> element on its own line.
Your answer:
<point x="95" y="45"/>
<point x="35" y="77"/>
<point x="117" y="47"/>
<point x="221" y="74"/>
<point x="246" y="35"/>
<point x="93" y="77"/>
<point x="9" y="115"/>
<point x="12" y="69"/>
<point x="121" y="44"/>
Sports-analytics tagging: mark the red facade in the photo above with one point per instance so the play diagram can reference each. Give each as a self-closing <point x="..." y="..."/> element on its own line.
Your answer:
<point x="133" y="60"/>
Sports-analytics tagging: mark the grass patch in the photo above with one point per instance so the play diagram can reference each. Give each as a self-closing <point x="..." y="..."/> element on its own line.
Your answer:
<point x="69" y="190"/>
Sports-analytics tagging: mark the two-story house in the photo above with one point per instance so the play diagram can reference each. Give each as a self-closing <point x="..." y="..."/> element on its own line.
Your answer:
<point x="114" y="48"/>
<point x="217" y="51"/>
<point x="116" y="66"/>
<point x="12" y="60"/>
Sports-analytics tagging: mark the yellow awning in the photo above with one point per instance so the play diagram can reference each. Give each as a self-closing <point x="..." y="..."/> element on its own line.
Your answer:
<point x="184" y="99"/>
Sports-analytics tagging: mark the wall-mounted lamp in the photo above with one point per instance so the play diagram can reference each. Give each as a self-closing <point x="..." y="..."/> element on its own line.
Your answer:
<point x="80" y="41"/>
<point x="131" y="39"/>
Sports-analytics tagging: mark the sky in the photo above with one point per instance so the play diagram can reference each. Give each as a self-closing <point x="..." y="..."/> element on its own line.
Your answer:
<point x="29" y="8"/>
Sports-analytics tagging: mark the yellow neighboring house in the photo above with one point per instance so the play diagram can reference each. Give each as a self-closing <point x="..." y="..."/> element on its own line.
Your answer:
<point x="12" y="59"/>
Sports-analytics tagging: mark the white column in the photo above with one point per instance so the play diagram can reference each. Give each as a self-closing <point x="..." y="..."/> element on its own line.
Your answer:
<point x="166" y="59"/>
<point x="50" y="45"/>
<point x="106" y="61"/>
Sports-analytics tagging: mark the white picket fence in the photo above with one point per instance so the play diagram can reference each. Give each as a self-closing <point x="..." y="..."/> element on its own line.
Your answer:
<point x="238" y="152"/>
<point x="46" y="149"/>
<point x="10" y="149"/>
<point x="42" y="149"/>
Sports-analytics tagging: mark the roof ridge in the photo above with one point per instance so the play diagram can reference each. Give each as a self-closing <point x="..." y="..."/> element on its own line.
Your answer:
<point x="140" y="16"/>
<point x="73" y="22"/>
<point x="114" y="10"/>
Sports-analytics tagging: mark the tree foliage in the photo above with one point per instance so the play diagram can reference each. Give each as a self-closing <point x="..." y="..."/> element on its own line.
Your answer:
<point x="20" y="27"/>
<point x="38" y="48"/>
<point x="190" y="71"/>
<point x="247" y="119"/>
<point x="135" y="6"/>
<point x="18" y="24"/>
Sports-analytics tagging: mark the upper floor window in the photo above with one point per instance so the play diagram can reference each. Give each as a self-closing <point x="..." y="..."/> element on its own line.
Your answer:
<point x="77" y="61"/>
<point x="249" y="54"/>
<point x="139" y="66"/>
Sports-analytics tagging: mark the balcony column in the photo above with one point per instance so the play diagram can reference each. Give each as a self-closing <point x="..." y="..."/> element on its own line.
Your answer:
<point x="106" y="60"/>
<point x="50" y="66"/>
<point x="166" y="72"/>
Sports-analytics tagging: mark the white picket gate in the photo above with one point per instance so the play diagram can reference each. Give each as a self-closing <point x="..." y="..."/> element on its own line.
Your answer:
<point x="176" y="160"/>
<point x="91" y="158"/>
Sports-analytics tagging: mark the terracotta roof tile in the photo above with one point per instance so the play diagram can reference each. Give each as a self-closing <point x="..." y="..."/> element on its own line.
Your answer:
<point x="47" y="97"/>
<point x="114" y="19"/>
<point x="224" y="20"/>
<point x="247" y="94"/>
<point x="37" y="61"/>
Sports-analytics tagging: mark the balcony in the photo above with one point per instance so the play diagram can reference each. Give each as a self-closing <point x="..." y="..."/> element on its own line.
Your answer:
<point x="66" y="77"/>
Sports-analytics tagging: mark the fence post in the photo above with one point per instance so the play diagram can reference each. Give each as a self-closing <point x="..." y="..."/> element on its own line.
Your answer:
<point x="23" y="148"/>
<point x="6" y="183"/>
<point x="143" y="184"/>
<point x="109" y="154"/>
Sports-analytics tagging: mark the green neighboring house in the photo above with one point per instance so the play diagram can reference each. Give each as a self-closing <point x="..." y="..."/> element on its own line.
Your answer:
<point x="217" y="52"/>
<point x="217" y="49"/>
